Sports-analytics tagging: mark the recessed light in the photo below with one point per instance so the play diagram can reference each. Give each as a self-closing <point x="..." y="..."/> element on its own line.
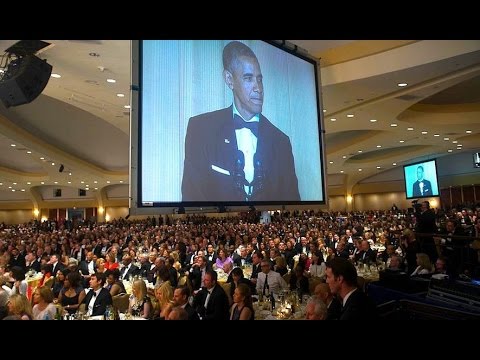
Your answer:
<point x="42" y="158"/>
<point x="53" y="164"/>
<point x="121" y="181"/>
<point x="360" y="151"/>
<point x="402" y="141"/>
<point x="350" y="115"/>
<point x="333" y="119"/>
<point x="402" y="84"/>
<point x="95" y="182"/>
<point x="14" y="183"/>
<point x="393" y="125"/>
<point x="424" y="132"/>
<point x="108" y="181"/>
<point x="42" y="182"/>
<point x="454" y="141"/>
<point x="56" y="76"/>
<point x="344" y="156"/>
<point x="446" y="138"/>
<point x="82" y="182"/>
<point x="379" y="146"/>
<point x="29" y="152"/>
<point x="450" y="150"/>
<point x="96" y="188"/>
<point x="121" y="95"/>
<point x="341" y="171"/>
<point x="379" y="167"/>
<point x="111" y="81"/>
<point x="324" y="110"/>
<point x="13" y="190"/>
<point x="359" y="169"/>
<point x="9" y="187"/>
<point x="69" y="182"/>
<point x="410" y="129"/>
<point x="1" y="183"/>
<point x="127" y="106"/>
<point x="70" y="174"/>
<point x="468" y="131"/>
<point x="29" y="183"/>
<point x="331" y="162"/>
<point x="394" y="164"/>
<point x="13" y="145"/>
<point x="373" y="120"/>
<point x="22" y="190"/>
<point x="55" y="182"/>
<point x="436" y="135"/>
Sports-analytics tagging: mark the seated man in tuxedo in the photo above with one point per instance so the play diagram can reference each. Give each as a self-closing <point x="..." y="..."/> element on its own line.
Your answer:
<point x="98" y="298"/>
<point x="421" y="187"/>
<point x="211" y="302"/>
<point x="237" y="154"/>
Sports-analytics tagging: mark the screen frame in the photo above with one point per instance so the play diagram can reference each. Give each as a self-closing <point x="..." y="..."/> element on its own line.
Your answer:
<point x="405" y="179"/>
<point x="137" y="206"/>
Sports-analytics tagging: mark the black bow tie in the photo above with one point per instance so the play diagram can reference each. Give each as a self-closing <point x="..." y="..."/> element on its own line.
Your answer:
<point x="239" y="123"/>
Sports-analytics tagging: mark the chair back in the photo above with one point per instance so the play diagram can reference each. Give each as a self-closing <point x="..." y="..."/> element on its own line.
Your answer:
<point x="121" y="302"/>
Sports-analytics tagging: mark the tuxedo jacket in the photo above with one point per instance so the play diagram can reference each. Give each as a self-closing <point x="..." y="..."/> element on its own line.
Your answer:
<point x="217" y="307"/>
<point x="102" y="300"/>
<point x="209" y="172"/>
<point x="427" y="188"/>
<point x="359" y="307"/>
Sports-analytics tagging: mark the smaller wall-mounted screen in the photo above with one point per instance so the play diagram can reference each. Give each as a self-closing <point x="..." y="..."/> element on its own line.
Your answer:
<point x="421" y="179"/>
<point x="476" y="160"/>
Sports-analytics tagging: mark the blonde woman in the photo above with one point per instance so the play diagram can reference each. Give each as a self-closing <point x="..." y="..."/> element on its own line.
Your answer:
<point x="19" y="305"/>
<point x="164" y="296"/>
<point x="140" y="304"/>
<point x="424" y="266"/>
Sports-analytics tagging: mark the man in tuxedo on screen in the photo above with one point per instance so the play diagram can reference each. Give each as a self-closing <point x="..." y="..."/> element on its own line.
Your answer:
<point x="237" y="154"/>
<point x="421" y="187"/>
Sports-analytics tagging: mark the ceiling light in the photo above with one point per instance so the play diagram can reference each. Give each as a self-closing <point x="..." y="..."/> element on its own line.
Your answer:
<point x="121" y="95"/>
<point x="331" y="162"/>
<point x="53" y="164"/>
<point x="360" y="151"/>
<point x="446" y="138"/>
<point x="111" y="81"/>
<point x="436" y="135"/>
<point x="82" y="182"/>
<point x="29" y="183"/>
<point x="454" y="141"/>
<point x="379" y="167"/>
<point x="402" y="84"/>
<point x="333" y="119"/>
<point x="424" y="132"/>
<point x="394" y="164"/>
<point x="350" y="115"/>
<point x="468" y="131"/>
<point x="127" y="106"/>
<point x="70" y="173"/>
<point x="402" y="141"/>
<point x="108" y="181"/>
<point x="121" y="181"/>
<point x="379" y="146"/>
<point x="9" y="187"/>
<point x="55" y="182"/>
<point x="373" y="120"/>
<point x="1" y="183"/>
<point x="344" y="156"/>
<point x="29" y="152"/>
<point x="324" y="110"/>
<point x="393" y="125"/>
<point x="23" y="190"/>
<point x="13" y="145"/>
<point x="95" y="182"/>
<point x="359" y="169"/>
<point x="13" y="190"/>
<point x="42" y="182"/>
<point x="96" y="188"/>
<point x="14" y="183"/>
<point x="56" y="76"/>
<point x="410" y="129"/>
<point x="450" y="150"/>
<point x="341" y="171"/>
<point x="69" y="182"/>
<point x="42" y="158"/>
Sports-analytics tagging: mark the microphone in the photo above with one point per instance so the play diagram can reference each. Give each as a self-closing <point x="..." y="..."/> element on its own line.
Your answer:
<point x="258" y="182"/>
<point x="239" y="173"/>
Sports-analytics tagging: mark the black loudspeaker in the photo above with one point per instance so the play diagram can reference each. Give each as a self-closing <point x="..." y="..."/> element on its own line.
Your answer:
<point x="24" y="79"/>
<point x="61" y="168"/>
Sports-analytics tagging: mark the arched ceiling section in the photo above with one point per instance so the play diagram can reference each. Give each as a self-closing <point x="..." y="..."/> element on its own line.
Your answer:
<point x="379" y="155"/>
<point x="464" y="93"/>
<point x="340" y="140"/>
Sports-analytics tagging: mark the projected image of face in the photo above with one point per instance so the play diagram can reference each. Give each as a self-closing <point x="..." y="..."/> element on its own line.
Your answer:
<point x="246" y="81"/>
<point x="420" y="173"/>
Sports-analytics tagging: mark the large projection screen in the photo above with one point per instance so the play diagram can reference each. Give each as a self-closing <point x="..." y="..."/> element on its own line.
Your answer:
<point x="185" y="148"/>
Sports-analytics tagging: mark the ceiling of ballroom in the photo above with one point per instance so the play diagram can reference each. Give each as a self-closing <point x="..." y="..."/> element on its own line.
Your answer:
<point x="80" y="122"/>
